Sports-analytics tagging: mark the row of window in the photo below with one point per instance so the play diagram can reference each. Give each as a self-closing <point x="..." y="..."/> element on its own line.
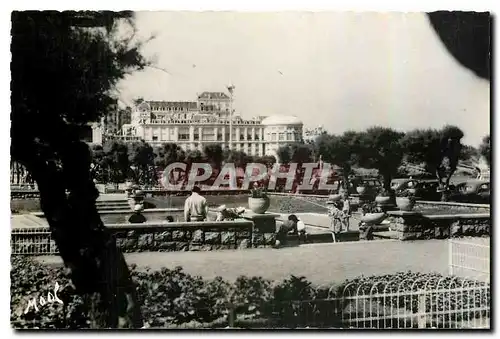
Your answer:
<point x="187" y="122"/>
<point x="172" y="109"/>
<point x="205" y="137"/>
<point x="183" y="134"/>
<point x="240" y="146"/>
<point x="283" y="136"/>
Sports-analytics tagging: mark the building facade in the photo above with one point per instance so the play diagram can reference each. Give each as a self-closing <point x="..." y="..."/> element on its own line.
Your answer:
<point x="193" y="125"/>
<point x="280" y="130"/>
<point x="311" y="134"/>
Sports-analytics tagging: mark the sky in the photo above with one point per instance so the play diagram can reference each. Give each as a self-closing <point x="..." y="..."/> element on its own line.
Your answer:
<point x="341" y="70"/>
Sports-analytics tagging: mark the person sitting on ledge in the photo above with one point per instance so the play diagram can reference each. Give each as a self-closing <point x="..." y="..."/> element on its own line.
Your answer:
<point x="137" y="217"/>
<point x="301" y="230"/>
<point x="287" y="227"/>
<point x="195" y="207"/>
<point x="220" y="213"/>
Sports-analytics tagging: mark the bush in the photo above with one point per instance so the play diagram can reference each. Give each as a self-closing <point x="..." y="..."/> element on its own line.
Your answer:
<point x="30" y="280"/>
<point x="370" y="207"/>
<point x="173" y="299"/>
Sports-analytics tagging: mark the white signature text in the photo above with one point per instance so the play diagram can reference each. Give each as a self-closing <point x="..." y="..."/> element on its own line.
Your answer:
<point x="51" y="298"/>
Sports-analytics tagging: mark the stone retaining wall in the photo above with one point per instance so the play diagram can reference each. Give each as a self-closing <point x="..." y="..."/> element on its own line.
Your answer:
<point x="201" y="236"/>
<point x="414" y="225"/>
<point x="453" y="206"/>
<point x="161" y="237"/>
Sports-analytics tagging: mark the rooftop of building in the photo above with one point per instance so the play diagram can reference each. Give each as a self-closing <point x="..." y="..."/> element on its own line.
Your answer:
<point x="282" y="120"/>
<point x="213" y="95"/>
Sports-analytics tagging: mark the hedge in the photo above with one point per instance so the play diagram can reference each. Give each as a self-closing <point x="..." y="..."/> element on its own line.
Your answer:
<point x="175" y="299"/>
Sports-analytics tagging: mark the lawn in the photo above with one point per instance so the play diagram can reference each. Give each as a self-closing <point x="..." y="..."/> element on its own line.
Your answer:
<point x="278" y="203"/>
<point x="319" y="263"/>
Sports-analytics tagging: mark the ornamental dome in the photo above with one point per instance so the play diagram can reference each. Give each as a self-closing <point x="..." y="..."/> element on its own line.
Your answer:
<point x="281" y="120"/>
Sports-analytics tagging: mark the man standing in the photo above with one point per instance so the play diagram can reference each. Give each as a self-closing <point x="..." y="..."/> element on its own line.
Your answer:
<point x="195" y="207"/>
<point x="346" y="212"/>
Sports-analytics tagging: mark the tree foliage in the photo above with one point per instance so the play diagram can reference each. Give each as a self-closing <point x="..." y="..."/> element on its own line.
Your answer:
<point x="168" y="153"/>
<point x="141" y="157"/>
<point x="438" y="150"/>
<point x="115" y="161"/>
<point x="381" y="149"/>
<point x="485" y="149"/>
<point x="214" y="154"/>
<point x="268" y="160"/>
<point x="343" y="150"/>
<point x="469" y="153"/>
<point x="462" y="32"/>
<point x="295" y="153"/>
<point x="238" y="158"/>
<point x="64" y="69"/>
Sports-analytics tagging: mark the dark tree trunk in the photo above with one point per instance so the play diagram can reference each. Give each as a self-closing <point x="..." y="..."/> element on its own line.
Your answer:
<point x="17" y="173"/>
<point x="387" y="181"/>
<point x="98" y="268"/>
<point x="346" y="170"/>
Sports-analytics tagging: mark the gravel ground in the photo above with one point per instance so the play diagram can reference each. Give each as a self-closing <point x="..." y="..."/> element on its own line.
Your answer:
<point x="319" y="263"/>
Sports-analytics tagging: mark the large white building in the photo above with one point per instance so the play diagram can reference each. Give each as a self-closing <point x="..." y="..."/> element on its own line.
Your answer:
<point x="192" y="125"/>
<point x="280" y="130"/>
<point x="311" y="134"/>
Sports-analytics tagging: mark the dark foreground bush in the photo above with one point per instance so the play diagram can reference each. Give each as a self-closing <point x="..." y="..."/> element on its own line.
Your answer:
<point x="175" y="299"/>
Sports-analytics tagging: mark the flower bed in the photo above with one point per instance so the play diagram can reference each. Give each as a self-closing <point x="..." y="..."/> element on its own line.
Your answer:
<point x="174" y="299"/>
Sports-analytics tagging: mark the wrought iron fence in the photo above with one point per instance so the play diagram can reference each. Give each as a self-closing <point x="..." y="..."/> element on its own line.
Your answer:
<point x="433" y="302"/>
<point x="32" y="240"/>
<point x="426" y="302"/>
<point x="470" y="257"/>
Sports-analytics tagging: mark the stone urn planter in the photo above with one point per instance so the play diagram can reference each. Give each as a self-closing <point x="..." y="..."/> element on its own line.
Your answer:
<point x="334" y="197"/>
<point x="382" y="201"/>
<point x="259" y="205"/>
<point x="405" y="203"/>
<point x="373" y="218"/>
<point x="361" y="190"/>
<point x="129" y="188"/>
<point x="138" y="196"/>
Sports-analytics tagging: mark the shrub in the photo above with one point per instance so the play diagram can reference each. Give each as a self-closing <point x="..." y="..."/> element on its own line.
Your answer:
<point x="32" y="280"/>
<point x="258" y="191"/>
<point x="385" y="193"/>
<point x="405" y="193"/>
<point x="371" y="207"/>
<point x="173" y="298"/>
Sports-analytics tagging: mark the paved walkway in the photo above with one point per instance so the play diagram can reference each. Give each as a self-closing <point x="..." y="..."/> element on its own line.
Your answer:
<point x="27" y="220"/>
<point x="111" y="197"/>
<point x="319" y="263"/>
<point x="323" y="220"/>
